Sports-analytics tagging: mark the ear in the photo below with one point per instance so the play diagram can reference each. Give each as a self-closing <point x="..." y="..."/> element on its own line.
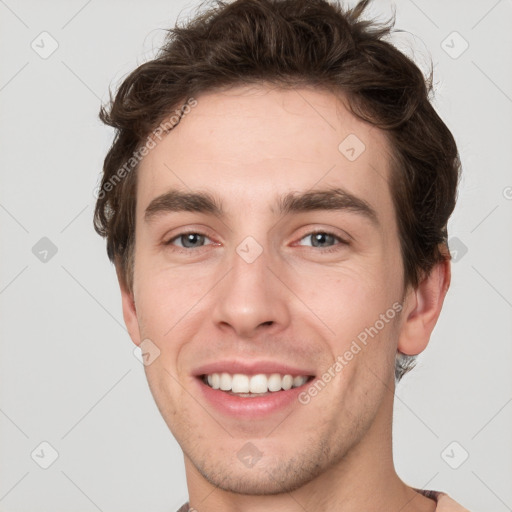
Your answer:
<point x="129" y="310"/>
<point x="423" y="307"/>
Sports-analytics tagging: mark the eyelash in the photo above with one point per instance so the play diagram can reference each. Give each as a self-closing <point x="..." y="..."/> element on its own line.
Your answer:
<point x="185" y="233"/>
<point x="333" y="248"/>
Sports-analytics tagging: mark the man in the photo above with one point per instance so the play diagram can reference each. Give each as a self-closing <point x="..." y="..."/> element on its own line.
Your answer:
<point x="275" y="203"/>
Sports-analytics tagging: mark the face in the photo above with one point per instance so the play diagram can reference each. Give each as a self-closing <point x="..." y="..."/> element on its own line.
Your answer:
<point x="267" y="248"/>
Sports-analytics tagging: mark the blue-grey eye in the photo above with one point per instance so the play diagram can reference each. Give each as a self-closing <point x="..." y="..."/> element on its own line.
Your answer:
<point x="190" y="240"/>
<point x="321" y="239"/>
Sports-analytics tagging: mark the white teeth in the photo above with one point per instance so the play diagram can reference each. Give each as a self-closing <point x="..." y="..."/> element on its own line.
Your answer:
<point x="287" y="382"/>
<point x="297" y="381"/>
<point x="240" y="383"/>
<point x="274" y="382"/>
<point x="260" y="383"/>
<point x="225" y="382"/>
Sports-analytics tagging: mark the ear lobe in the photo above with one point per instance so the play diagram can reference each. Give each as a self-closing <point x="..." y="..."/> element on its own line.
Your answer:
<point x="423" y="309"/>
<point x="129" y="309"/>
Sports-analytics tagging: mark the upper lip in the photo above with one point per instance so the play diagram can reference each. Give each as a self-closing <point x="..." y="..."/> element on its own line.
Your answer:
<point x="233" y="366"/>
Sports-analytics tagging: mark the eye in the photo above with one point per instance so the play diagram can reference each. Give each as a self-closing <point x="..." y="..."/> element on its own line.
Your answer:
<point x="188" y="240"/>
<point x="322" y="239"/>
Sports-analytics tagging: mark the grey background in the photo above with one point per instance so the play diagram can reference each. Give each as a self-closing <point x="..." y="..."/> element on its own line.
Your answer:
<point x="68" y="373"/>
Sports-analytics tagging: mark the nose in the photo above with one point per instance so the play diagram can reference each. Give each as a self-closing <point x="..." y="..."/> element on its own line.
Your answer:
<point x="250" y="299"/>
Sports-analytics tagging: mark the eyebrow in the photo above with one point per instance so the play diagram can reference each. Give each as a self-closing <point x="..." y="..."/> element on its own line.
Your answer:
<point x="177" y="201"/>
<point x="335" y="199"/>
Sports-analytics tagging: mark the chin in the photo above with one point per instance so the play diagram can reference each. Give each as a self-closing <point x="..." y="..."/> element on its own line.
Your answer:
<point x="267" y="477"/>
<point x="254" y="482"/>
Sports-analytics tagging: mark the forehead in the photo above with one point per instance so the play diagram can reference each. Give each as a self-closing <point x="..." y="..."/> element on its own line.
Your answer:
<point x="255" y="141"/>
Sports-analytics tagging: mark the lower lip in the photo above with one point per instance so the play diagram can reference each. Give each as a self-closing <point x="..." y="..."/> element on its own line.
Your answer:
<point x="247" y="407"/>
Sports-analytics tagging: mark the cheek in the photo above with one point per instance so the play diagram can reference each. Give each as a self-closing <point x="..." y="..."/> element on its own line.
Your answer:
<point x="346" y="297"/>
<point x="170" y="307"/>
<point x="364" y="358"/>
<point x="358" y="309"/>
<point x="165" y="295"/>
<point x="151" y="306"/>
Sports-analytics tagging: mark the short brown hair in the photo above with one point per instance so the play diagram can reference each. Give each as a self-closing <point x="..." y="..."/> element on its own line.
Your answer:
<point x="292" y="43"/>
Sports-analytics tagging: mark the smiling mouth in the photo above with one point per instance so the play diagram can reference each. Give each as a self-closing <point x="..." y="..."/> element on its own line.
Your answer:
<point x="252" y="386"/>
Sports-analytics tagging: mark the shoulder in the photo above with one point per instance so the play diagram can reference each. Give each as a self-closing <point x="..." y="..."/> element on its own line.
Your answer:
<point x="447" y="504"/>
<point x="444" y="502"/>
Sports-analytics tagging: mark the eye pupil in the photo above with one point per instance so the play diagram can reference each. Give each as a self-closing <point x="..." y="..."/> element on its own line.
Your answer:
<point x="192" y="239"/>
<point x="320" y="239"/>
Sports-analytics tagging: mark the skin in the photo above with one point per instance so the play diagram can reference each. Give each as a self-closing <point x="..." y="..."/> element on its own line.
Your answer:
<point x="296" y="303"/>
